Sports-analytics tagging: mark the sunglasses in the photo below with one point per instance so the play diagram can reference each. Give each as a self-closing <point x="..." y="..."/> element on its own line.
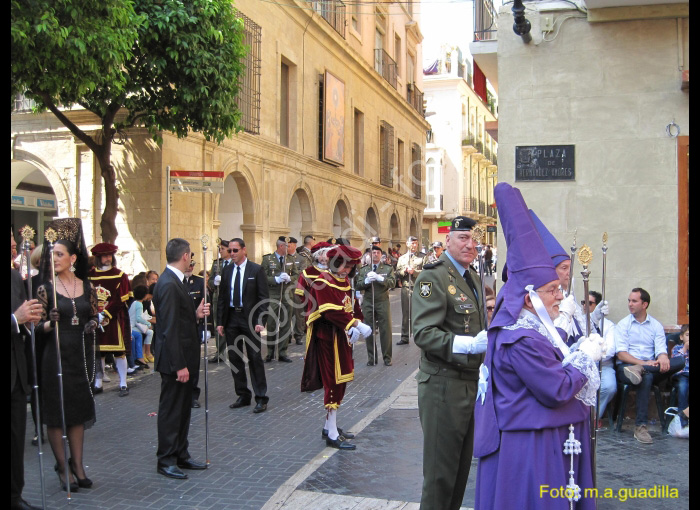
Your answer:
<point x="234" y="250"/>
<point x="590" y="303"/>
<point x="490" y="308"/>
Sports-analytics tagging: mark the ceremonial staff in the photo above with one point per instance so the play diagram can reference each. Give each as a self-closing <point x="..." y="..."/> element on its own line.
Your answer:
<point x="585" y="255"/>
<point x="27" y="235"/>
<point x="218" y="272"/>
<point x="205" y="240"/>
<point x="374" y="326"/>
<point x="477" y="234"/>
<point x="410" y="293"/>
<point x="279" y="309"/>
<point x="569" y="291"/>
<point x="605" y="251"/>
<point x="51" y="237"/>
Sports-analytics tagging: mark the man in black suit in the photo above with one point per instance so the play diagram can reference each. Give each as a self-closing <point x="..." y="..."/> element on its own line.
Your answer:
<point x="21" y="312"/>
<point x="195" y="288"/>
<point x="177" y="357"/>
<point x="242" y="306"/>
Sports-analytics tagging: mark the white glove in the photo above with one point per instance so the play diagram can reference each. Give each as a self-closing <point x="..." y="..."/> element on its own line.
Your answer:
<point x="568" y="306"/>
<point x="600" y="310"/>
<point x="370" y="277"/>
<point x="353" y="335"/>
<point x="358" y="296"/>
<point x="379" y="278"/>
<point x="465" y="344"/>
<point x="593" y="347"/>
<point x="217" y="280"/>
<point x="282" y="278"/>
<point x="364" y="329"/>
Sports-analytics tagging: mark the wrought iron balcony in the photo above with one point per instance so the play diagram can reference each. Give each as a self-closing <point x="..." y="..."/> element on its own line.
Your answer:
<point x="414" y="96"/>
<point x="333" y="11"/>
<point x="385" y="65"/>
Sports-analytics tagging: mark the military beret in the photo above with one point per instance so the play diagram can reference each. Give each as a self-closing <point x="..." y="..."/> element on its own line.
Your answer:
<point x="104" y="249"/>
<point x="411" y="239"/>
<point x="461" y="223"/>
<point x="339" y="240"/>
<point x="437" y="244"/>
<point x="292" y="240"/>
<point x="284" y="239"/>
<point x="376" y="248"/>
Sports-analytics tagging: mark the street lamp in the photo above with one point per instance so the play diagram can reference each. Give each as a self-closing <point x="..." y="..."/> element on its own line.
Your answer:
<point x="521" y="25"/>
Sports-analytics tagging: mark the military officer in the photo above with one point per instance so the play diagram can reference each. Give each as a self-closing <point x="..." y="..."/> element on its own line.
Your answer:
<point x="435" y="254"/>
<point x="408" y="268"/>
<point x="217" y="269"/>
<point x="280" y="271"/>
<point x="377" y="278"/>
<point x="195" y="288"/>
<point x="449" y="329"/>
<point x="367" y="256"/>
<point x="304" y="259"/>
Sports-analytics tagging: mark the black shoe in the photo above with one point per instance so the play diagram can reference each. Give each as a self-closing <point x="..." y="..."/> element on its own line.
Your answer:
<point x="191" y="464"/>
<point x="343" y="435"/>
<point x="300" y="342"/>
<point x="172" y="472"/>
<point x="339" y="443"/>
<point x="73" y="485"/>
<point x="387" y="362"/>
<point x="241" y="402"/>
<point x="23" y="505"/>
<point x="195" y="404"/>
<point x="83" y="483"/>
<point x="141" y="364"/>
<point x="97" y="391"/>
<point x="35" y="440"/>
<point x="370" y="363"/>
<point x="123" y="391"/>
<point x="285" y="359"/>
<point x="402" y="342"/>
<point x="260" y="408"/>
<point x="269" y="358"/>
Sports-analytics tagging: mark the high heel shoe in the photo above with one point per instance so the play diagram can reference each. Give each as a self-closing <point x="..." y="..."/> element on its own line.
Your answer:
<point x="73" y="485"/>
<point x="85" y="483"/>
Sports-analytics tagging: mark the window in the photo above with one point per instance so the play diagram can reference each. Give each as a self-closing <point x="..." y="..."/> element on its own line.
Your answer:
<point x="359" y="143"/>
<point x="284" y="105"/>
<point x="416" y="171"/>
<point x="432" y="191"/>
<point x="397" y="53"/>
<point x="386" y="154"/>
<point x="248" y="99"/>
<point x="400" y="165"/>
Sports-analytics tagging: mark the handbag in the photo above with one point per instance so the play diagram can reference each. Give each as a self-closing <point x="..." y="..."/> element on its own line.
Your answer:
<point x="675" y="428"/>
<point x="142" y="328"/>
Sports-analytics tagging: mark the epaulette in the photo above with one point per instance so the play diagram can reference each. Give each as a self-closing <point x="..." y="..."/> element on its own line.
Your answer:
<point x="432" y="264"/>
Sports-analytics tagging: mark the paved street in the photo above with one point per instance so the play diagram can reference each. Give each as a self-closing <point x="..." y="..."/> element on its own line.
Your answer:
<point x="277" y="460"/>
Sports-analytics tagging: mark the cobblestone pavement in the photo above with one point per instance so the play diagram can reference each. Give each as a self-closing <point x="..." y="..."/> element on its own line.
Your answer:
<point x="277" y="460"/>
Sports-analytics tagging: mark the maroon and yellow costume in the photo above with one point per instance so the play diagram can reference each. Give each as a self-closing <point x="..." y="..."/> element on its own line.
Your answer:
<point x="328" y="361"/>
<point x="113" y="291"/>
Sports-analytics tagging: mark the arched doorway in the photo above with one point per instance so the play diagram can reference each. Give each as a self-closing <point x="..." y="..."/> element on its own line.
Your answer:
<point x="371" y="224"/>
<point x="236" y="206"/>
<point x="413" y="229"/>
<point x="342" y="223"/>
<point x="300" y="215"/>
<point x="395" y="229"/>
<point x="33" y="200"/>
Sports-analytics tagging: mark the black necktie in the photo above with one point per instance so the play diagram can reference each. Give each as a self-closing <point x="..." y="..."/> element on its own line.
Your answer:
<point x="374" y="268"/>
<point x="225" y="263"/>
<point x="470" y="282"/>
<point x="237" y="287"/>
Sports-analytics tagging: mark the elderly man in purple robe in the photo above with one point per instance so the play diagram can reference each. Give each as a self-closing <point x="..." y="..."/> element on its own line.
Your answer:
<point x="532" y="412"/>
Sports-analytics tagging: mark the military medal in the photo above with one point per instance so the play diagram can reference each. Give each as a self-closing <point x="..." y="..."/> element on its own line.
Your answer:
<point x="452" y="289"/>
<point x="462" y="297"/>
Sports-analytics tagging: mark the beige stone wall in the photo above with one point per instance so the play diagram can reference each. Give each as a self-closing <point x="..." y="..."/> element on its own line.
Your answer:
<point x="610" y="89"/>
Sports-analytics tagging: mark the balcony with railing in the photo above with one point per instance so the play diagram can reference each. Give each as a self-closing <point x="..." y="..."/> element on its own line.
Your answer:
<point x="484" y="20"/>
<point x="414" y="96"/>
<point x="23" y="103"/>
<point x="386" y="66"/>
<point x="333" y="11"/>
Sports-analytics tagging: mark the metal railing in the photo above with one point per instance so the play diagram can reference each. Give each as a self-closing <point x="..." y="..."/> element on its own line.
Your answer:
<point x="248" y="98"/>
<point x="385" y="65"/>
<point x="333" y="11"/>
<point x="414" y="96"/>
<point x="484" y="20"/>
<point x="23" y="103"/>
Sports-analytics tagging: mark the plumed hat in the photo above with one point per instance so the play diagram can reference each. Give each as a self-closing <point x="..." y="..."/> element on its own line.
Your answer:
<point x="555" y="250"/>
<point x="529" y="262"/>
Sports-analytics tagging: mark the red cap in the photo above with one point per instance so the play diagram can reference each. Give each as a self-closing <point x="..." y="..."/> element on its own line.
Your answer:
<point x="348" y="253"/>
<point x="318" y="246"/>
<point x="104" y="249"/>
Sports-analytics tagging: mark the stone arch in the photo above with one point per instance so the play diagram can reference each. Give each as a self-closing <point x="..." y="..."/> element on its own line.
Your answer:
<point x="372" y="226"/>
<point x="395" y="228"/>
<point x="342" y="224"/>
<point x="302" y="212"/>
<point x="413" y="227"/>
<point x="24" y="163"/>
<point x="238" y="204"/>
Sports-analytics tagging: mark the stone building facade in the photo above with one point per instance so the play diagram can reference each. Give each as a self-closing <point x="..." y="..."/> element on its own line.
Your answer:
<point x="279" y="177"/>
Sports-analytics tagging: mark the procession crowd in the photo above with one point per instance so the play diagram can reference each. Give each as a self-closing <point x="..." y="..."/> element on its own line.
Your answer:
<point x="501" y="377"/>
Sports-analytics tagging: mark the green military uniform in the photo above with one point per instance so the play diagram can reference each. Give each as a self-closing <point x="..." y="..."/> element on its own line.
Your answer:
<point x="303" y="260"/>
<point x="382" y="309"/>
<point x="407" y="260"/>
<point x="272" y="267"/>
<point x="217" y="269"/>
<point x="443" y="306"/>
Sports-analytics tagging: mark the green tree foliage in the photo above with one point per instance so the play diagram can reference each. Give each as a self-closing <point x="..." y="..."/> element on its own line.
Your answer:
<point x="169" y="65"/>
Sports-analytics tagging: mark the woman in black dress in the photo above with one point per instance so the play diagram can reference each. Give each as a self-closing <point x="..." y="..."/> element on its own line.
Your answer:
<point x="75" y="312"/>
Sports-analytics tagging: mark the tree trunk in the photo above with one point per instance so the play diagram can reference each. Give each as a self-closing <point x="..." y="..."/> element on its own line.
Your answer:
<point x="108" y="224"/>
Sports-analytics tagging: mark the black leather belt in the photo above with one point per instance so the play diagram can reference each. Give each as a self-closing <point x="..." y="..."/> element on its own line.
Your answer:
<point x="236" y="309"/>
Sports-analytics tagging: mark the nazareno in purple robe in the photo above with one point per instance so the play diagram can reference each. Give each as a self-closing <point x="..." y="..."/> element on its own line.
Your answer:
<point x="521" y="428"/>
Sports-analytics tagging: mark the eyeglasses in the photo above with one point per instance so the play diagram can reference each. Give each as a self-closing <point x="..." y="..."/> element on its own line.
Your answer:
<point x="490" y="308"/>
<point x="554" y="292"/>
<point x="234" y="250"/>
<point x="590" y="303"/>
